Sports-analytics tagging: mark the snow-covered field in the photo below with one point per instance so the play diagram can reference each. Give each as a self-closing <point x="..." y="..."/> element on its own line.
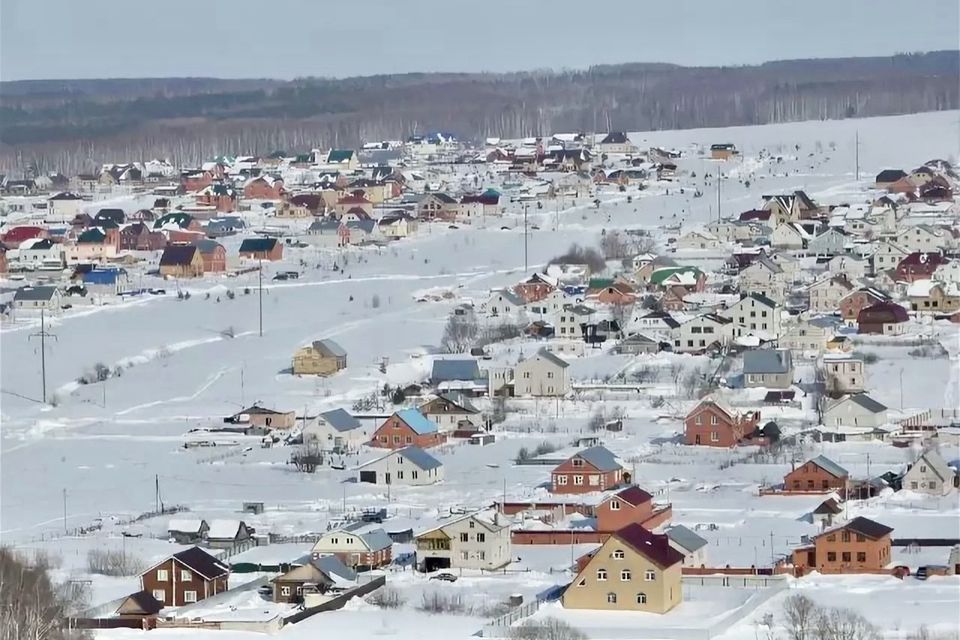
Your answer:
<point x="97" y="456"/>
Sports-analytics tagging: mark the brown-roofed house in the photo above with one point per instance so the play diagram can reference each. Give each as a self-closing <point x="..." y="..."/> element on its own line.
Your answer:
<point x="185" y="577"/>
<point x="859" y="546"/>
<point x="181" y="261"/>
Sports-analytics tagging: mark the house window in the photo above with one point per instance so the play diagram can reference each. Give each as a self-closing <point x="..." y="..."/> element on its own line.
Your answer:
<point x="594" y="479"/>
<point x="160" y="594"/>
<point x="650" y="575"/>
<point x="285" y="591"/>
<point x="414" y="474"/>
<point x="625" y="575"/>
<point x="861" y="537"/>
<point x="561" y="480"/>
<point x="409" y="439"/>
<point x="464" y="537"/>
<point x="932" y="484"/>
<point x="845" y="556"/>
<point x="481" y="537"/>
<point x="641" y="598"/>
<point x="617" y="555"/>
<point x="189" y="596"/>
<point x="844" y="536"/>
<point x="577" y="462"/>
<point x="714" y="436"/>
<point x="578" y="480"/>
<point x="861" y="556"/>
<point x="482" y="555"/>
<point x="471" y="525"/>
<point x="614" y="505"/>
<point x="714" y="420"/>
<point x="526" y="374"/>
<point x="185" y="576"/>
<point x="550" y="374"/>
<point x="831" y="556"/>
<point x="464" y="555"/>
<point x="399" y="475"/>
<point x="162" y="575"/>
<point x="612" y="598"/>
<point x="396" y="439"/>
<point x="602" y="575"/>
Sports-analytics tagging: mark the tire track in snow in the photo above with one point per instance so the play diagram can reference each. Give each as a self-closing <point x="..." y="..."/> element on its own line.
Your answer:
<point x="211" y="380"/>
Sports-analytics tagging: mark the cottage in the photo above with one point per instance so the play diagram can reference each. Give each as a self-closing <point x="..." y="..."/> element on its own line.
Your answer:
<point x="616" y="142"/>
<point x="226" y="534"/>
<point x="634" y="570"/>
<point x="407" y="427"/>
<point x="770" y="368"/>
<point x="320" y="358"/>
<point x="450" y="411"/>
<point x="593" y="469"/>
<point x="542" y="374"/>
<point x="479" y="540"/>
<point x="454" y="371"/>
<point x="859" y="546"/>
<point x="919" y="266"/>
<point x="261" y="249"/>
<point x="930" y="474"/>
<point x="503" y="302"/>
<point x="181" y="261"/>
<point x="687" y="542"/>
<point x="410" y="466"/>
<point x="630" y="505"/>
<point x="853" y="303"/>
<point x="888" y="176"/>
<point x="702" y="333"/>
<point x="264" y="418"/>
<point x="793" y="207"/>
<point x="64" y="205"/>
<point x="826" y="294"/>
<point x="264" y="187"/>
<point x="213" y="255"/>
<point x="336" y="431"/>
<point x="139" y="605"/>
<point x="139" y="237"/>
<point x="45" y="298"/>
<point x="316" y="577"/>
<point x="696" y="239"/>
<point x="188" y="531"/>
<point x="712" y="424"/>
<point x="843" y="374"/>
<point x="329" y="232"/>
<point x="858" y="410"/>
<point x="37" y="253"/>
<point x="924" y="238"/>
<point x="765" y="277"/>
<point x="883" y="318"/>
<point x="361" y="550"/>
<point x="808" y="334"/>
<point x="185" y="577"/>
<point x="754" y="315"/>
<point x="820" y="474"/>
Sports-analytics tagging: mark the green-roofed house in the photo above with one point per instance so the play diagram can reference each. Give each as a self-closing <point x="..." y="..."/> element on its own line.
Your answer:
<point x="342" y="159"/>
<point x="261" y="249"/>
<point x="690" y="278"/>
<point x="93" y="245"/>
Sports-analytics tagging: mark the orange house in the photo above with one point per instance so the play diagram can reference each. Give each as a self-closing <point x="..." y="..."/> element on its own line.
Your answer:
<point x="618" y="293"/>
<point x="593" y="469"/>
<point x="820" y="474"/>
<point x="214" y="256"/>
<point x="406" y="428"/>
<point x="852" y="304"/>
<point x="264" y="188"/>
<point x="628" y="506"/>
<point x="859" y="546"/>
<point x="261" y="249"/>
<point x="714" y="425"/>
<point x="534" y="289"/>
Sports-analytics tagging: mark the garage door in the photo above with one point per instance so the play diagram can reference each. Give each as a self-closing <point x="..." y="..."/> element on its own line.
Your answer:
<point x="368" y="476"/>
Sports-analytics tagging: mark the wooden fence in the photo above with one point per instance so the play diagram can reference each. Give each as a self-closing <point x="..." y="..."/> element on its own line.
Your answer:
<point x="337" y="602"/>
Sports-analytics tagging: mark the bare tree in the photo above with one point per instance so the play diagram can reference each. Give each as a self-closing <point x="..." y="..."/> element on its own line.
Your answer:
<point x="459" y="334"/>
<point x="307" y="458"/>
<point x="31" y="606"/>
<point x="545" y="629"/>
<point x="800" y="614"/>
<point x="845" y="624"/>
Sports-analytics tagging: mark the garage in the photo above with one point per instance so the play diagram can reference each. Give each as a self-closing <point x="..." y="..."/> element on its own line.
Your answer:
<point x="368" y="476"/>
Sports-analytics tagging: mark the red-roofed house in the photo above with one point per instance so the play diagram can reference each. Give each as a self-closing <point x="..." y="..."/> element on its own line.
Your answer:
<point x="627" y="506"/>
<point x="15" y="235"/>
<point x="264" y="188"/>
<point x="883" y="318"/>
<point x="919" y="266"/>
<point x="346" y="203"/>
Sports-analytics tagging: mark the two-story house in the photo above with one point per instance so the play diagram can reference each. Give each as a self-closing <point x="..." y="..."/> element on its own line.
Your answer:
<point x="859" y="546"/>
<point x="479" y="540"/>
<point x="754" y="315"/>
<point x="185" y="577"/>
<point x="593" y="469"/>
<point x="702" y="333"/>
<point x="542" y="374"/>
<point x="712" y="424"/>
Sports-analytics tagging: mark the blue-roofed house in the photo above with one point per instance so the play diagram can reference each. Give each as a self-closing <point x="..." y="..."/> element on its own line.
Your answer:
<point x="360" y="548"/>
<point x="408" y="466"/>
<point x="315" y="577"/>
<point x="105" y="281"/>
<point x="336" y="431"/>
<point x="405" y="428"/>
<point x="454" y="370"/>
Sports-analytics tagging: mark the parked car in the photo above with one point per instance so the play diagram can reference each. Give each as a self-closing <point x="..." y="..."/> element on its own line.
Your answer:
<point x="445" y="576"/>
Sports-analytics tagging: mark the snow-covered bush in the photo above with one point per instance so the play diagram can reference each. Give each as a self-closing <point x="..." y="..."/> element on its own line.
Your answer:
<point x="112" y="562"/>
<point x="546" y="629"/>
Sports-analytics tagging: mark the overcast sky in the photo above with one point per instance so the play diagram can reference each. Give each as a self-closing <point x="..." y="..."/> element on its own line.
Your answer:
<point x="288" y="38"/>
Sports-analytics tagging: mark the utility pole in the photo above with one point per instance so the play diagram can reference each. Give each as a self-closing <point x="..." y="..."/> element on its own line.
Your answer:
<point x="856" y="145"/>
<point x="156" y="493"/>
<point x="525" y="237"/>
<point x="64" y="511"/>
<point x="719" y="178"/>
<point x="43" y="335"/>
<point x="260" y="276"/>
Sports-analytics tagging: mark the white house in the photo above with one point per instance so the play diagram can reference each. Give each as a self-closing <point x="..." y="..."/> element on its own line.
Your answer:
<point x="356" y="547"/>
<point x="859" y="410"/>
<point x="887" y="255"/>
<point x="924" y="238"/>
<point x="46" y="298"/>
<point x="410" y="466"/>
<point x="765" y="277"/>
<point x="692" y="546"/>
<point x="553" y="302"/>
<point x="699" y="333"/>
<point x="843" y="374"/>
<point x="697" y="239"/>
<point x="542" y="374"/>
<point x="569" y="319"/>
<point x="478" y="540"/>
<point x="826" y="294"/>
<point x="65" y="205"/>
<point x="40" y="252"/>
<point x="754" y="315"/>
<point x="336" y="430"/>
<point x="503" y="303"/>
<point x="930" y="474"/>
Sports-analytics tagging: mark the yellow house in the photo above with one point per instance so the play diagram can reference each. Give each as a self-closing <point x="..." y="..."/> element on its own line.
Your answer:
<point x="320" y="358"/>
<point x="634" y="570"/>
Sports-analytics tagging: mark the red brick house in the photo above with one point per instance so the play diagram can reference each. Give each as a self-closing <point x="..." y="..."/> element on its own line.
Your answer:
<point x="859" y="546"/>
<point x="593" y="469"/>
<point x="139" y="237"/>
<point x="627" y="506"/>
<point x="196" y="180"/>
<point x="713" y="425"/>
<point x="534" y="289"/>
<point x="220" y="195"/>
<point x="185" y="577"/>
<point x="406" y="428"/>
<point x="919" y="266"/>
<point x="261" y="249"/>
<point x="820" y="474"/>
<point x="618" y="293"/>
<point x="264" y="188"/>
<point x="851" y="304"/>
<point x="214" y="256"/>
<point x="882" y="318"/>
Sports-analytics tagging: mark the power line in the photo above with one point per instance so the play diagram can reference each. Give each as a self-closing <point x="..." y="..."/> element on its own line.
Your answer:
<point x="43" y="335"/>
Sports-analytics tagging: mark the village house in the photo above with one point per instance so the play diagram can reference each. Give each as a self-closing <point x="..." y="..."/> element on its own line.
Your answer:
<point x="261" y="249"/>
<point x="919" y="266"/>
<point x="687" y="542"/>
<point x="336" y="430"/>
<point x="930" y="474"/>
<point x="226" y="534"/>
<point x="572" y="319"/>
<point x="633" y="570"/>
<point x="853" y="303"/>
<point x="479" y="540"/>
<point x="181" y="261"/>
<point x="923" y="238"/>
<point x="139" y="237"/>
<point x="222" y="196"/>
<point x="41" y="298"/>
<point x="843" y="374"/>
<point x="187" y="530"/>
<point x="451" y="411"/>
<point x="328" y="232"/>
<point x="690" y="278"/>
<point x="593" y="469"/>
<point x="185" y="577"/>
<point x="888" y="176"/>
<point x="858" y="410"/>
<point x="39" y="253"/>
<point x="213" y="255"/>
<point x="859" y="546"/>
<point x="503" y="302"/>
<point x="715" y="425"/>
<point x="826" y="294"/>
<point x="319" y="358"/>
<point x="410" y="466"/>
<point x="754" y="315"/>
<point x="407" y="427"/>
<point x="615" y="142"/>
<point x="535" y="288"/>
<point x="264" y="187"/>
<point x="317" y="576"/>
<point x="263" y="418"/>
<point x="770" y="368"/>
<point x="361" y="550"/>
<point x="93" y="245"/>
<point x="436" y="206"/>
<point x="658" y="323"/>
<point x="702" y="333"/>
<point x="64" y="205"/>
<point x="629" y="505"/>
<point x="551" y="303"/>
<point x="820" y="474"/>
<point x="542" y="374"/>
<point x="927" y="296"/>
<point x="764" y="277"/>
<point x="807" y="334"/>
<point x="850" y="266"/>
<point x="790" y="207"/>
<point x="883" y="318"/>
<point x="697" y="239"/>
<point x="397" y="225"/>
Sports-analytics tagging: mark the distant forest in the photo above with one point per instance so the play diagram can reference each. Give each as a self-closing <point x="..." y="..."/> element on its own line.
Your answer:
<point x="75" y="125"/>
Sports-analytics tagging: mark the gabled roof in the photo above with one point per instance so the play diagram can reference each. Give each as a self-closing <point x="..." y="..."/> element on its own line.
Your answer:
<point x="201" y="562"/>
<point x="447" y="370"/>
<point x="767" y="361"/>
<point x="329" y="349"/>
<point x="601" y="458"/>
<point x="939" y="466"/>
<point x="141" y="602"/>
<point x="552" y="358"/>
<point x="686" y="538"/>
<point x="655" y="548"/>
<point x="633" y="495"/>
<point x="830" y="466"/>
<point x="185" y="525"/>
<point x="177" y="255"/>
<point x="258" y="245"/>
<point x="340" y="420"/>
<point x="460" y="401"/>
<point x="417" y="421"/>
<point x="864" y="526"/>
<point x="224" y="529"/>
<point x="615" y="137"/>
<point x="43" y="293"/>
